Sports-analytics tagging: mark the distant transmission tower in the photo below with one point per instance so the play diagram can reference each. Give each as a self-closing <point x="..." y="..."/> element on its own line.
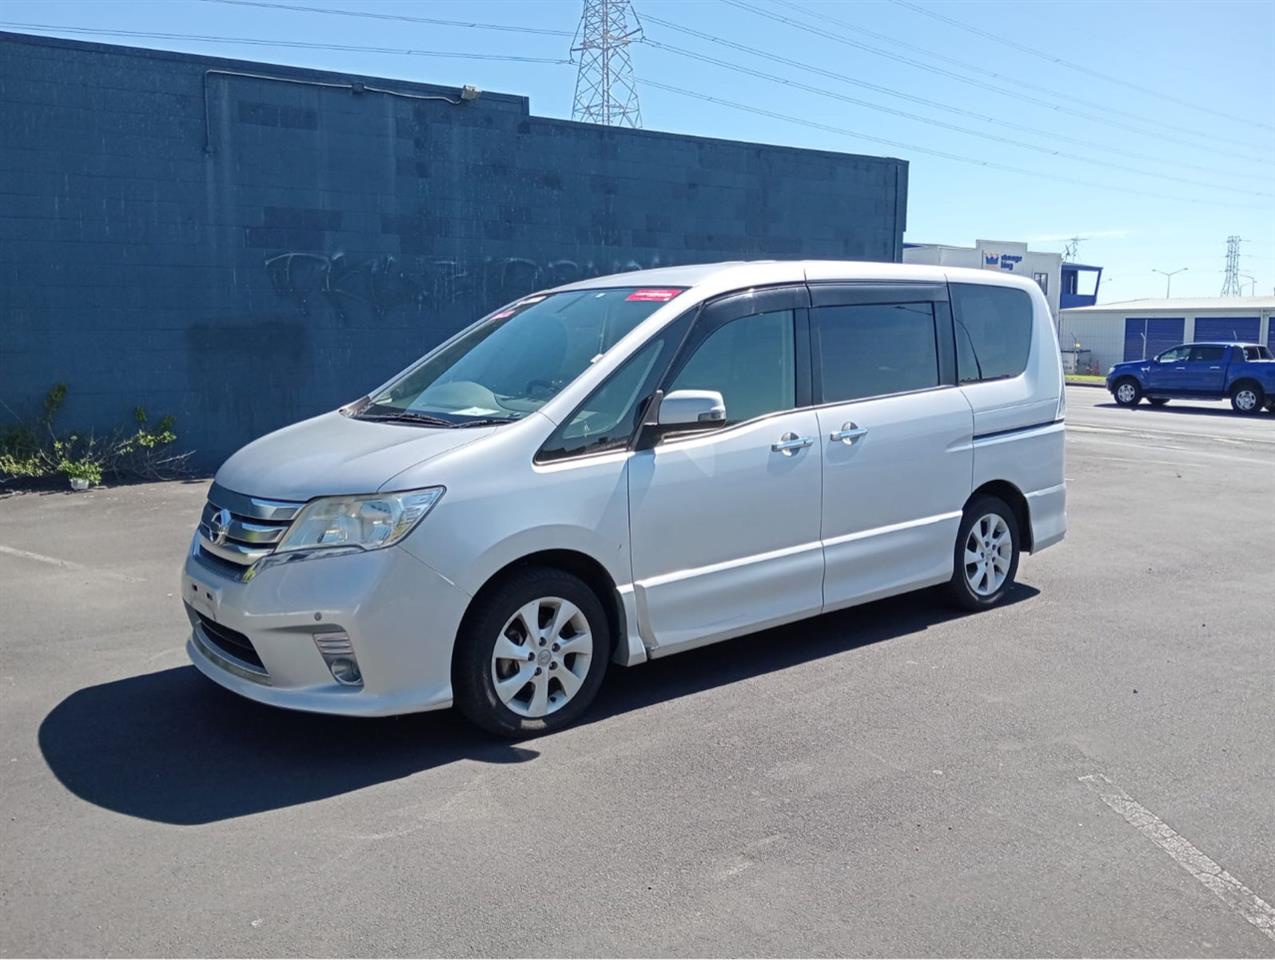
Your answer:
<point x="605" y="89"/>
<point x="1231" y="284"/>
<point x="1072" y="249"/>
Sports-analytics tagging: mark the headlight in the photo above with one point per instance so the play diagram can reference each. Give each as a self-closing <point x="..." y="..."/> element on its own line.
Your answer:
<point x="364" y="522"/>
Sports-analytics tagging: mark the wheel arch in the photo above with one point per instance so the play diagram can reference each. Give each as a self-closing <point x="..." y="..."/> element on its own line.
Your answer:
<point x="1011" y="495"/>
<point x="575" y="562"/>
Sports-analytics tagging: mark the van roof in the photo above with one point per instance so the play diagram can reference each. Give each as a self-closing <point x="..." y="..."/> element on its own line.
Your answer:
<point x="791" y="271"/>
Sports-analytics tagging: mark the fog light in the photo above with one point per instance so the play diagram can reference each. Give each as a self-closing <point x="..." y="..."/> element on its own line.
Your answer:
<point x="338" y="654"/>
<point x="346" y="671"/>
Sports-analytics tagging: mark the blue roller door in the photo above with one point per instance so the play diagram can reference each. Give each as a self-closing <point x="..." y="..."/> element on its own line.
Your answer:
<point x="1270" y="335"/>
<point x="1145" y="337"/>
<point x="1247" y="329"/>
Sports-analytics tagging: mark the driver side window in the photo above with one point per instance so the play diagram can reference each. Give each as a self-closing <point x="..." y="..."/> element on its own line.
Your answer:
<point x="1176" y="355"/>
<point x="750" y="361"/>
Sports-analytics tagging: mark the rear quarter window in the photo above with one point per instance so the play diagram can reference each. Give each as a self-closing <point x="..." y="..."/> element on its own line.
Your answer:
<point x="993" y="331"/>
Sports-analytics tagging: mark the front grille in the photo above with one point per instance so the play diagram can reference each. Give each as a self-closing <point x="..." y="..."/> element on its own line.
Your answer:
<point x="230" y="642"/>
<point x="240" y="529"/>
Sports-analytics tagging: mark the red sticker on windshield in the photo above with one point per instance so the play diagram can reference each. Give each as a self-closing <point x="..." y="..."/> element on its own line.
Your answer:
<point x="653" y="295"/>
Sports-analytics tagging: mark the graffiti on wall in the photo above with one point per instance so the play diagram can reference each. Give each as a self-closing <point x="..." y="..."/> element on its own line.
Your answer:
<point x="377" y="287"/>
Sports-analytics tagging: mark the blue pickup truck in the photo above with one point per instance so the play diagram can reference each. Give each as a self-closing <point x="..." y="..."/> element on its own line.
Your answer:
<point x="1244" y="372"/>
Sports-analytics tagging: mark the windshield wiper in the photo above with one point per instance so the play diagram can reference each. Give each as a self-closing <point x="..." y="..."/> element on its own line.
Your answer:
<point x="487" y="422"/>
<point x="406" y="416"/>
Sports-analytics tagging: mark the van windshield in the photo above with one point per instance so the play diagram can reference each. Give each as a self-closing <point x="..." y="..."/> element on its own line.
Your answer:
<point x="514" y="361"/>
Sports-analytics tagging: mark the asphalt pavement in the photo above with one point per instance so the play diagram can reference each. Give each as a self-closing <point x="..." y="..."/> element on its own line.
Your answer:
<point x="1088" y="770"/>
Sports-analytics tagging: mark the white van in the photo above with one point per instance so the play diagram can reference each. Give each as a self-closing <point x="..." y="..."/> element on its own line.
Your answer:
<point x="627" y="467"/>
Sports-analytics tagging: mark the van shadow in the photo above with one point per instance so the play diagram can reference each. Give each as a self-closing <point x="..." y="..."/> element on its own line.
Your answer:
<point x="173" y="747"/>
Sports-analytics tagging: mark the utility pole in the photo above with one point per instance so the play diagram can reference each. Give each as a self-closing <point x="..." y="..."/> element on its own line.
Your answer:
<point x="1168" y="278"/>
<point x="606" y="91"/>
<point x="1231" y="283"/>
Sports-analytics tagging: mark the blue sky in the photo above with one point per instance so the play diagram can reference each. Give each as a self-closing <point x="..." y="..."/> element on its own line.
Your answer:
<point x="1184" y="55"/>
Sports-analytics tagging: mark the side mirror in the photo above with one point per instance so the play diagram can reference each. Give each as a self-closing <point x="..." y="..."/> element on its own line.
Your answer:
<point x="692" y="408"/>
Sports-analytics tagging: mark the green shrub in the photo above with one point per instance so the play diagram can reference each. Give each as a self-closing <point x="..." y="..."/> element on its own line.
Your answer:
<point x="34" y="449"/>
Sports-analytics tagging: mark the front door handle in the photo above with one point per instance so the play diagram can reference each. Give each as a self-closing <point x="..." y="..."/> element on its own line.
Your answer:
<point x="849" y="433"/>
<point x="790" y="443"/>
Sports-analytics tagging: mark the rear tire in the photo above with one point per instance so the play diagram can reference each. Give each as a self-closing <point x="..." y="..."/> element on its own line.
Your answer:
<point x="1127" y="392"/>
<point x="1157" y="401"/>
<point x="1247" y="397"/>
<point x="542" y="626"/>
<point x="986" y="555"/>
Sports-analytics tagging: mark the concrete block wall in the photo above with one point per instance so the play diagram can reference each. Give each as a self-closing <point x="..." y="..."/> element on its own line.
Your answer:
<point x="246" y="251"/>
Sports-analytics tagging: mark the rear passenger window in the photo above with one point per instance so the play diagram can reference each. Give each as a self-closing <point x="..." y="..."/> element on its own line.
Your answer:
<point x="871" y="350"/>
<point x="1207" y="354"/>
<point x="993" y="331"/>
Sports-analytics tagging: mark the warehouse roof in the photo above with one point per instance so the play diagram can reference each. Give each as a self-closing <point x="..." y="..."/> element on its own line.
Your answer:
<point x="1220" y="305"/>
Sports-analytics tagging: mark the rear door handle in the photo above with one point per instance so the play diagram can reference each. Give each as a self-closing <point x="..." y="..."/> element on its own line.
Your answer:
<point x="790" y="443"/>
<point x="849" y="433"/>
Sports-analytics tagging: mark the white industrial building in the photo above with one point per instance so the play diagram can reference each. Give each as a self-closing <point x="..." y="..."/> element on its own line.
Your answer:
<point x="1002" y="255"/>
<point x="1093" y="338"/>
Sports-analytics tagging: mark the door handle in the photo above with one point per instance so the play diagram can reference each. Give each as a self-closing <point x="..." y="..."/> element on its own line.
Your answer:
<point x="790" y="443"/>
<point x="849" y="433"/>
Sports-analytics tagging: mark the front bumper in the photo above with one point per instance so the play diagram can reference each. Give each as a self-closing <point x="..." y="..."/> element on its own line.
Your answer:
<point x="400" y="615"/>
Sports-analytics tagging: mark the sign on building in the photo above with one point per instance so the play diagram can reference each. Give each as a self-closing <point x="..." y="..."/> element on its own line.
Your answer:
<point x="1000" y="255"/>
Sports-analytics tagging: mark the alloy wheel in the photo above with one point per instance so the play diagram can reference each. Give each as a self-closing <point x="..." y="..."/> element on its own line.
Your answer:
<point x="541" y="657"/>
<point x="988" y="551"/>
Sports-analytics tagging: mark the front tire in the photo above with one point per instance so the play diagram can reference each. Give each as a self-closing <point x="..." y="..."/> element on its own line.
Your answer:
<point x="1127" y="392"/>
<point x="987" y="551"/>
<point x="531" y="657"/>
<point x="1247" y="397"/>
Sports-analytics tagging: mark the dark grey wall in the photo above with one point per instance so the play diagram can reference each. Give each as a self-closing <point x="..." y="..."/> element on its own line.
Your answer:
<point x="244" y="252"/>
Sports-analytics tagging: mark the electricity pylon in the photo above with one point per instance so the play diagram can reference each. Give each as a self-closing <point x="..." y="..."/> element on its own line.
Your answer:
<point x="1231" y="283"/>
<point x="606" y="91"/>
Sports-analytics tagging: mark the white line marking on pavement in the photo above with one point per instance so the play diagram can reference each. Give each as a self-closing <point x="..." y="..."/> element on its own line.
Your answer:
<point x="1224" y="886"/>
<point x="1166" y="448"/>
<point x="1144" y="433"/>
<point x="67" y="564"/>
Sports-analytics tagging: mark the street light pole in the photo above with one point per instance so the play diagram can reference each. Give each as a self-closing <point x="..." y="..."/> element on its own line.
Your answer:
<point x="1168" y="278"/>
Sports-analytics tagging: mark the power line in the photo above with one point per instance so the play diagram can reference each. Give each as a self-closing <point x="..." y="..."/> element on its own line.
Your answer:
<point x="267" y="4"/>
<point x="1062" y="62"/>
<point x="924" y="101"/>
<point x="95" y="31"/>
<point x="1000" y="91"/>
<point x="977" y="68"/>
<point x="749" y="71"/>
<point x="403" y="18"/>
<point x="989" y="164"/>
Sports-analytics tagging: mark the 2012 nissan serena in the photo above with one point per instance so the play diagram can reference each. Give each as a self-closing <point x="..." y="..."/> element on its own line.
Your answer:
<point x="627" y="467"/>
